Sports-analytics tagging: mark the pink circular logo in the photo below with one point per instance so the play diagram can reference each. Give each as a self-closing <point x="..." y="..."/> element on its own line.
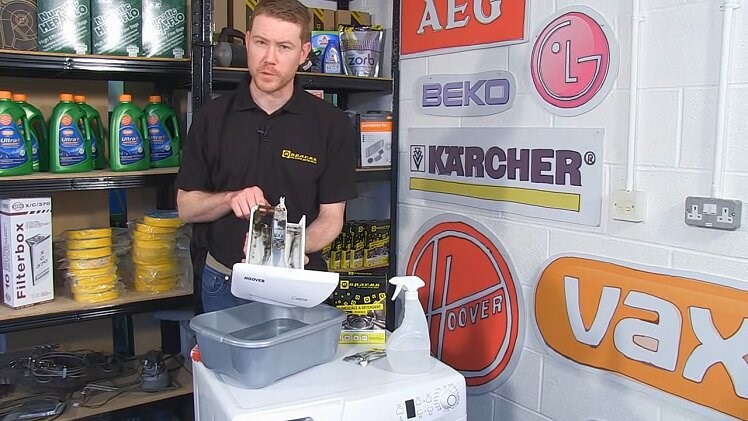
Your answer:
<point x="574" y="62"/>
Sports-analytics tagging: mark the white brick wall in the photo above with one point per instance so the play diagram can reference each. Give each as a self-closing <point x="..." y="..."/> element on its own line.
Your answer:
<point x="679" y="63"/>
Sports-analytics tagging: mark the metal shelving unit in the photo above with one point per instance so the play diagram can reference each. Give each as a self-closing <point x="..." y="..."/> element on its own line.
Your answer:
<point x="166" y="75"/>
<point x="226" y="77"/>
<point x="93" y="180"/>
<point x="64" y="310"/>
<point x="71" y="66"/>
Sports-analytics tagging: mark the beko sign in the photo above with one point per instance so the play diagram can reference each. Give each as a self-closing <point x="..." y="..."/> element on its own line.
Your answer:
<point x="456" y="95"/>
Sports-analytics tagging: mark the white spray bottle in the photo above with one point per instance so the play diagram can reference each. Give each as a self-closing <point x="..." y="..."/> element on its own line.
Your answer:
<point x="408" y="347"/>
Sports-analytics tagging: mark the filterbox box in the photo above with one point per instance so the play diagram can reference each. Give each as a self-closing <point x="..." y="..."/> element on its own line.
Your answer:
<point x="26" y="244"/>
<point x="363" y="297"/>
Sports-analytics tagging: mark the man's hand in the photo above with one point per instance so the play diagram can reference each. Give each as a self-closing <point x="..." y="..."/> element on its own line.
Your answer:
<point x="243" y="201"/>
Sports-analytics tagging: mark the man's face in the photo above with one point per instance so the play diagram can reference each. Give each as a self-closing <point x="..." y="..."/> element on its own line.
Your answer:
<point x="274" y="52"/>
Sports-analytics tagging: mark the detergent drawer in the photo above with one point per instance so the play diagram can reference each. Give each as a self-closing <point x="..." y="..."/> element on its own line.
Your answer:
<point x="257" y="343"/>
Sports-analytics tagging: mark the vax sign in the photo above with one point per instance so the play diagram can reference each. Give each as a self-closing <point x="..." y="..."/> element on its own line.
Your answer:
<point x="545" y="173"/>
<point x="428" y="25"/>
<point x="672" y="331"/>
<point x="472" y="299"/>
<point x="466" y="95"/>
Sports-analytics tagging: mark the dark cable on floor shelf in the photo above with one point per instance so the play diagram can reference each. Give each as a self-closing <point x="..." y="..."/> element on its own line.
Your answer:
<point x="79" y="377"/>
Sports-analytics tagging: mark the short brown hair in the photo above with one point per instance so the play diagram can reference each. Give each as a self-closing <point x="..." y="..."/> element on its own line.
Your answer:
<point x="286" y="10"/>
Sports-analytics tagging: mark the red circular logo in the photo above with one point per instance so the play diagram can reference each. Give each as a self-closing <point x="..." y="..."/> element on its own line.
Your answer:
<point x="153" y="119"/>
<point x="472" y="302"/>
<point x="125" y="120"/>
<point x="572" y="61"/>
<point x="6" y="119"/>
<point x="66" y="120"/>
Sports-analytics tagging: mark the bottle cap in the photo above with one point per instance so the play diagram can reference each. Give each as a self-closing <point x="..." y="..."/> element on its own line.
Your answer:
<point x="5" y="95"/>
<point x="125" y="98"/>
<point x="79" y="98"/>
<point x="411" y="285"/>
<point x="155" y="99"/>
<point x="19" y="97"/>
<point x="66" y="97"/>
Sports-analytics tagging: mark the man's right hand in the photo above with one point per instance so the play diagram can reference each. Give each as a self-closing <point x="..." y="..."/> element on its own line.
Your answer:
<point x="243" y="201"/>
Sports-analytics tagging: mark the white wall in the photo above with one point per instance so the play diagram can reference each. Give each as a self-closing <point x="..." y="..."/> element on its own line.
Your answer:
<point x="679" y="63"/>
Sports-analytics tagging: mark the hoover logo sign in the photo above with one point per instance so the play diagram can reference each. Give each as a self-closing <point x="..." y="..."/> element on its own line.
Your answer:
<point x="675" y="332"/>
<point x="466" y="95"/>
<point x="472" y="300"/>
<point x="545" y="173"/>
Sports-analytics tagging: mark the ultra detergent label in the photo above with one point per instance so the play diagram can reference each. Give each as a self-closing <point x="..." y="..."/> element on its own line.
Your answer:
<point x="72" y="143"/>
<point x="12" y="146"/>
<point x="159" y="139"/>
<point x="130" y="142"/>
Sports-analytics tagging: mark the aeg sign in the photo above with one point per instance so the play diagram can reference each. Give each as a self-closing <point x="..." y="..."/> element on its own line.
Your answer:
<point x="672" y="331"/>
<point x="472" y="301"/>
<point x="428" y="25"/>
<point x="466" y="95"/>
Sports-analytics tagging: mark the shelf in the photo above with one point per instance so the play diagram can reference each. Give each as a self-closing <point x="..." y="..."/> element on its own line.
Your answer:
<point x="72" y="66"/>
<point x="65" y="310"/>
<point x="43" y="182"/>
<point x="374" y="174"/>
<point x="372" y="268"/>
<point x="131" y="400"/>
<point x="331" y="82"/>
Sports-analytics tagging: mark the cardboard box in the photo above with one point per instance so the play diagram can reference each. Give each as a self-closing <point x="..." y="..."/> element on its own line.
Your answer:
<point x="322" y="19"/>
<point x="349" y="17"/>
<point x="358" y="245"/>
<point x="117" y="27"/>
<point x="376" y="140"/>
<point x="239" y="14"/>
<point x="64" y="26"/>
<point x="377" y="248"/>
<point x="220" y="16"/>
<point x="26" y="244"/>
<point x="18" y="27"/>
<point x="165" y="28"/>
<point x="363" y="296"/>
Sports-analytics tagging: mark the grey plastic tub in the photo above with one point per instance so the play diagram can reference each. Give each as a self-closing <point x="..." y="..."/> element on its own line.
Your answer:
<point x="258" y="344"/>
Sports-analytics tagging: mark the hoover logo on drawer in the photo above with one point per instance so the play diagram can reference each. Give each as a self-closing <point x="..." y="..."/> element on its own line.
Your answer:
<point x="472" y="301"/>
<point x="675" y="332"/>
<point x="435" y="25"/>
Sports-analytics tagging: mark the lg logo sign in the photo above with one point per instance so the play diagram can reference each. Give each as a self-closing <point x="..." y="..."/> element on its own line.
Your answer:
<point x="574" y="61"/>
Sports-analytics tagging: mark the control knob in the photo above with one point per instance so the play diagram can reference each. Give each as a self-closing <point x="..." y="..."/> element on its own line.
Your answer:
<point x="449" y="398"/>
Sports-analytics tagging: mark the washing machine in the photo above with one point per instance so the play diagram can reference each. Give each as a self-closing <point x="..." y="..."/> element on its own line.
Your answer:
<point x="335" y="391"/>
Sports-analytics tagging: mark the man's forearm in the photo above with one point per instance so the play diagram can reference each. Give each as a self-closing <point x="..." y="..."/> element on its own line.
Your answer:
<point x="198" y="206"/>
<point x="322" y="232"/>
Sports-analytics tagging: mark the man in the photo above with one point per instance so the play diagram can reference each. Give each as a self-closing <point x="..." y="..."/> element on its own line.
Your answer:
<point x="267" y="139"/>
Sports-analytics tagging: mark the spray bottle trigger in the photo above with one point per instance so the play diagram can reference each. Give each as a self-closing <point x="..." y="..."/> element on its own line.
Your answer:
<point x="398" y="288"/>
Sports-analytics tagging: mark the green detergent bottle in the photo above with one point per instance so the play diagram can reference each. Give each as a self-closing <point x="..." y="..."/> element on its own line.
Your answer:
<point x="39" y="138"/>
<point x="15" y="142"/>
<point x="163" y="133"/>
<point x="69" y="138"/>
<point x="128" y="140"/>
<point x="97" y="132"/>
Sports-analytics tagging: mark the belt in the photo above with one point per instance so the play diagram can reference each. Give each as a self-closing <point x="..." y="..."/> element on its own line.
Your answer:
<point x="214" y="264"/>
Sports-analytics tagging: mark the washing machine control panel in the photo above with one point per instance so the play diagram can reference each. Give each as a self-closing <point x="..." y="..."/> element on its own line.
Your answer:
<point x="430" y="405"/>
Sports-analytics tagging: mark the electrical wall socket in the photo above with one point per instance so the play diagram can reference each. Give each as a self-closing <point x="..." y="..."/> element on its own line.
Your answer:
<point x="629" y="206"/>
<point x="709" y="212"/>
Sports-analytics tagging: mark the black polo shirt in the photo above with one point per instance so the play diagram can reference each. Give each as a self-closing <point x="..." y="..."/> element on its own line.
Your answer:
<point x="304" y="151"/>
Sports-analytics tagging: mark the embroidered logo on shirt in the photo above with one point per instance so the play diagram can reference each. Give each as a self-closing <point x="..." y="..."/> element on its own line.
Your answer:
<point x="289" y="154"/>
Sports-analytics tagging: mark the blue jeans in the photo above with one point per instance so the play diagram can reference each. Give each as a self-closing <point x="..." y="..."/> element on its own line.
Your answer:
<point x="216" y="291"/>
